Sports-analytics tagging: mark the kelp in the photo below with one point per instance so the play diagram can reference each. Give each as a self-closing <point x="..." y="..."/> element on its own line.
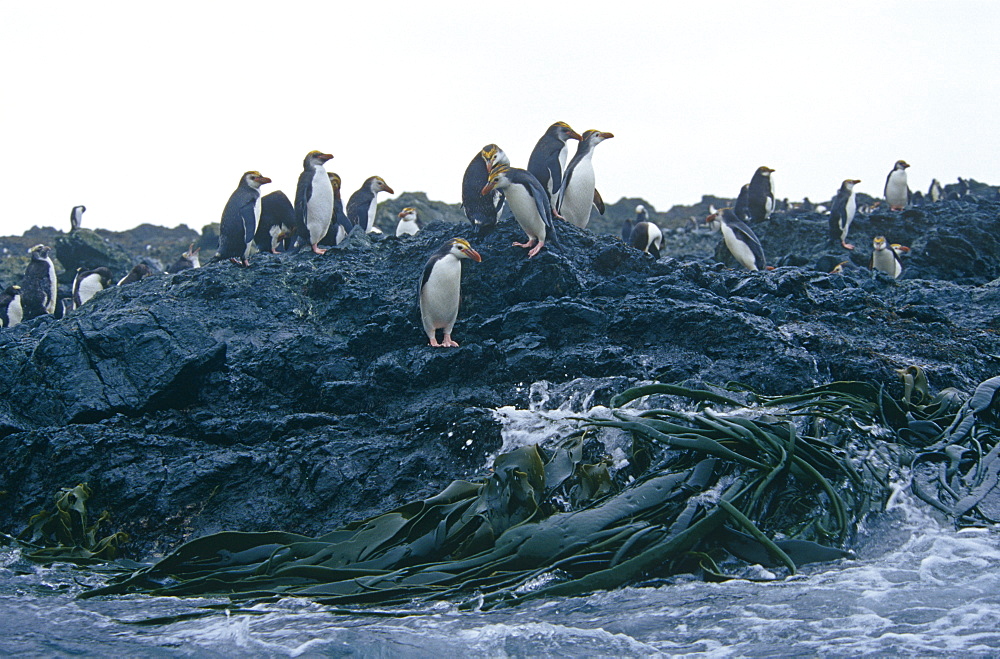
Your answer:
<point x="65" y="534"/>
<point x="775" y="480"/>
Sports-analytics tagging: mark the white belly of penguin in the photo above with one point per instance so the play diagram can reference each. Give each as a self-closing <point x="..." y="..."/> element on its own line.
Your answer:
<point x="895" y="190"/>
<point x="319" y="209"/>
<point x="885" y="260"/>
<point x="578" y="197"/>
<point x="372" y="207"/>
<point x="14" y="312"/>
<point x="739" y="249"/>
<point x="406" y="229"/>
<point x="654" y="237"/>
<point x="50" y="304"/>
<point x="441" y="294"/>
<point x="522" y="204"/>
<point x="89" y="287"/>
<point x="849" y="211"/>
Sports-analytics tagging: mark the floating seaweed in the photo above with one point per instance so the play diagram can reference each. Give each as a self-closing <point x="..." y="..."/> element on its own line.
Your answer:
<point x="780" y="481"/>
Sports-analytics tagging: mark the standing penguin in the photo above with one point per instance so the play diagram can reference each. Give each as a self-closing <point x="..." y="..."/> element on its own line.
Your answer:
<point x="740" y="239"/>
<point x="409" y="223"/>
<point x="935" y="193"/>
<point x="239" y="219"/>
<point x="340" y="225"/>
<point x="578" y="194"/>
<point x="89" y="283"/>
<point x="897" y="192"/>
<point x="76" y="217"/>
<point x="842" y="212"/>
<point x="440" y="289"/>
<point x="547" y="162"/>
<point x="482" y="210"/>
<point x="528" y="201"/>
<point x="138" y="272"/>
<point x="10" y="306"/>
<point x="742" y="205"/>
<point x="760" y="194"/>
<point x="363" y="203"/>
<point x="885" y="258"/>
<point x="39" y="286"/>
<point x="187" y="260"/>
<point x="276" y="224"/>
<point x="313" y="200"/>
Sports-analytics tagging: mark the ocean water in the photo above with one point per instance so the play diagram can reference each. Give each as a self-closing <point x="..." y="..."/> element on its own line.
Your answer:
<point x="916" y="587"/>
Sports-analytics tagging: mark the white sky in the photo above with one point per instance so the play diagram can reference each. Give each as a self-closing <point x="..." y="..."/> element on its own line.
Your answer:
<point x="150" y="112"/>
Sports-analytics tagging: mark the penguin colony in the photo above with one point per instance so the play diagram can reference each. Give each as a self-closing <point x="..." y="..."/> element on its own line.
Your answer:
<point x="551" y="189"/>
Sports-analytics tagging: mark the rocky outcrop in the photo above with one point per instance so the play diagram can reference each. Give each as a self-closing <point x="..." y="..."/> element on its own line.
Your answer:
<point x="300" y="394"/>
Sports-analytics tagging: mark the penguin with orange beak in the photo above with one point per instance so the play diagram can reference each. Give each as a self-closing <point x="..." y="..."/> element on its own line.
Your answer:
<point x="528" y="201"/>
<point x="440" y="289"/>
<point x="313" y="200"/>
<point x="578" y="194"/>
<point x="483" y="210"/>
<point x="239" y="219"/>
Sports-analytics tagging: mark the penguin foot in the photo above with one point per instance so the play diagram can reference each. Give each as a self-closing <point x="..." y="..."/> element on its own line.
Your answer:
<point x="318" y="250"/>
<point x="526" y="245"/>
<point x="846" y="245"/>
<point x="448" y="342"/>
<point x="537" y="248"/>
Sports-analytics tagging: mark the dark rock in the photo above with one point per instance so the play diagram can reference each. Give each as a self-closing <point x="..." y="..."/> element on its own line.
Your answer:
<point x="299" y="393"/>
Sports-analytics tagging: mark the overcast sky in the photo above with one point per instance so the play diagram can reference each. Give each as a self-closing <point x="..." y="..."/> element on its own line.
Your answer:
<point x="150" y="112"/>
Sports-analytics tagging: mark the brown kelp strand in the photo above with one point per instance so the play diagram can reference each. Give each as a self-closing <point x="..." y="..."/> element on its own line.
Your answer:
<point x="774" y="480"/>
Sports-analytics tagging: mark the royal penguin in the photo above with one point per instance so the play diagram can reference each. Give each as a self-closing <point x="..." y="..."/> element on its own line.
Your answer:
<point x="39" y="287"/>
<point x="760" y="194"/>
<point x="313" y="200"/>
<point x="409" y="223"/>
<point x="742" y="205"/>
<point x="440" y="289"/>
<point x="363" y="203"/>
<point x="897" y="192"/>
<point x="935" y="193"/>
<point x="578" y="194"/>
<point x="138" y="272"/>
<point x="547" y="161"/>
<point x="76" y="217"/>
<point x="482" y="210"/>
<point x="276" y="226"/>
<point x="187" y="260"/>
<point x="340" y="224"/>
<point x="239" y="219"/>
<point x="885" y="258"/>
<point x="842" y="212"/>
<point x="89" y="283"/>
<point x="529" y="202"/>
<point x="740" y="239"/>
<point x="10" y="306"/>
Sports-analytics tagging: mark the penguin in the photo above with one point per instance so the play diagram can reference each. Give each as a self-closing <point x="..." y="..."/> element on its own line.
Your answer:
<point x="528" y="200"/>
<point x="139" y="271"/>
<point x="842" y="212"/>
<point x="547" y="161"/>
<point x="641" y="215"/>
<point x="39" y="288"/>
<point x="64" y="307"/>
<point x="648" y="238"/>
<point x="440" y="289"/>
<point x="340" y="225"/>
<point x="239" y="219"/>
<point x="742" y="205"/>
<point x="276" y="224"/>
<point x="739" y="238"/>
<point x="760" y="194"/>
<point x="313" y="200"/>
<point x="935" y="193"/>
<point x="885" y="258"/>
<point x="577" y="194"/>
<point x="362" y="205"/>
<point x="10" y="306"/>
<point x="482" y="210"/>
<point x="409" y="223"/>
<point x="897" y="192"/>
<point x="188" y="259"/>
<point x="76" y="217"/>
<point x="89" y="283"/>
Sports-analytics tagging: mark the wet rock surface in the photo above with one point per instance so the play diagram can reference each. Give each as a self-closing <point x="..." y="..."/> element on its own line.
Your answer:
<point x="300" y="394"/>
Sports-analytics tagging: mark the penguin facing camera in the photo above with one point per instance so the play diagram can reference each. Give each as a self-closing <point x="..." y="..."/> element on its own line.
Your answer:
<point x="885" y="257"/>
<point x="39" y="288"/>
<point x="10" y="306"/>
<point x="313" y="200"/>
<point x="440" y="289"/>
<point x="239" y="219"/>
<point x="409" y="223"/>
<point x="897" y="192"/>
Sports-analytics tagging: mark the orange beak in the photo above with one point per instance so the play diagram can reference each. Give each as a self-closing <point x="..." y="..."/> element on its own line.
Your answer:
<point x="262" y="179"/>
<point x="473" y="254"/>
<point x="488" y="188"/>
